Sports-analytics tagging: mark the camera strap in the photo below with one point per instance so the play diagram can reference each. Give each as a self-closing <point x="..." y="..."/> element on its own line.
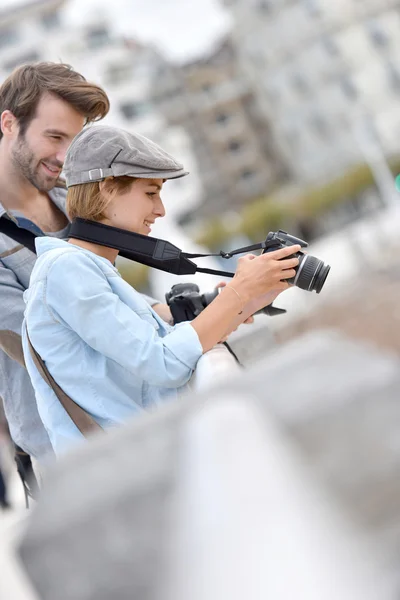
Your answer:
<point x="222" y="254"/>
<point x="18" y="234"/>
<point x="149" y="251"/>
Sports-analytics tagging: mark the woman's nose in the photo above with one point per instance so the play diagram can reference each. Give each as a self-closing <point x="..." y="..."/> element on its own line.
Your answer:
<point x="160" y="208"/>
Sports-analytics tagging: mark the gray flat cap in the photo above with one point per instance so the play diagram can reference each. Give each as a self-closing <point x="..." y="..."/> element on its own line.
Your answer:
<point x="101" y="151"/>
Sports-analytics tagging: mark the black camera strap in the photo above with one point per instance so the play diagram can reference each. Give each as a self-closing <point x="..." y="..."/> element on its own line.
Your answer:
<point x="153" y="252"/>
<point x="222" y="254"/>
<point x="149" y="251"/>
<point x="18" y="234"/>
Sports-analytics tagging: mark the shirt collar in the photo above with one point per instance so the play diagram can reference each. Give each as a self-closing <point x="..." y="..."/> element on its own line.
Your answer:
<point x="57" y="195"/>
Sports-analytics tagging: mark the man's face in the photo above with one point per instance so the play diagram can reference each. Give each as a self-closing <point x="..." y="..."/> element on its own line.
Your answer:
<point x="39" y="154"/>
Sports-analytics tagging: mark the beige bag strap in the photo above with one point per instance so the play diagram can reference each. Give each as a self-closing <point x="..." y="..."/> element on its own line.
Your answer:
<point x="84" y="422"/>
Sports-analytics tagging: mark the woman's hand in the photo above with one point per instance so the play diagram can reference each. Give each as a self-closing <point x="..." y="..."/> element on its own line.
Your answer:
<point x="163" y="311"/>
<point x="257" y="281"/>
<point x="258" y="276"/>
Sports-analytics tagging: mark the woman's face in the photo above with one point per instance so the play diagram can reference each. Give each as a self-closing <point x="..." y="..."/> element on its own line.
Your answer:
<point x="138" y="208"/>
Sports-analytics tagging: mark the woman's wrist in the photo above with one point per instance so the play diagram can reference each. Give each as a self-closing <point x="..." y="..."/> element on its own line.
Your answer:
<point x="241" y="301"/>
<point x="242" y="289"/>
<point x="219" y="318"/>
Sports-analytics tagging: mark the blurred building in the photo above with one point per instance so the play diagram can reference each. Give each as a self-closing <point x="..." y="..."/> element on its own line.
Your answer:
<point x="28" y="32"/>
<point x="233" y="146"/>
<point x="326" y="75"/>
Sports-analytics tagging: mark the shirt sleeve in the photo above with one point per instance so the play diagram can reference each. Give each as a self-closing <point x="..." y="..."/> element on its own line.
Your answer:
<point x="12" y="311"/>
<point x="79" y="295"/>
<point x="151" y="301"/>
<point x="18" y="397"/>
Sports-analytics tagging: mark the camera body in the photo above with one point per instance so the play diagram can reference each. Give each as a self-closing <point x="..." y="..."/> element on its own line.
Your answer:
<point x="186" y="302"/>
<point x="311" y="272"/>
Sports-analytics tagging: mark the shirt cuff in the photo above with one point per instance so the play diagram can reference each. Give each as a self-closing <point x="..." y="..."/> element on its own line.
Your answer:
<point x="184" y="343"/>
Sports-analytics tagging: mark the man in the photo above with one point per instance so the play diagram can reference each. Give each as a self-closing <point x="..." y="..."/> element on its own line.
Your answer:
<point x="42" y="108"/>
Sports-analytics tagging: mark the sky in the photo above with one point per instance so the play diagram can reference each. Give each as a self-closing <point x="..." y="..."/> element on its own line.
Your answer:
<point x="182" y="29"/>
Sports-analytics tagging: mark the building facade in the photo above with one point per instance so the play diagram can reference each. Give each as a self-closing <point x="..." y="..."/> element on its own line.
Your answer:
<point x="326" y="76"/>
<point x="232" y="145"/>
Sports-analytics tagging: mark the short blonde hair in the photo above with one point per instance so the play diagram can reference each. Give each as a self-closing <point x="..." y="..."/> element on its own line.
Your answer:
<point x="86" y="201"/>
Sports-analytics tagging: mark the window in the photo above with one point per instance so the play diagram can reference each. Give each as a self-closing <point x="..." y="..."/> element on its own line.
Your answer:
<point x="222" y="118"/>
<point x="8" y="37"/>
<point x="131" y="110"/>
<point x="247" y="174"/>
<point x="118" y="73"/>
<point x="349" y="89"/>
<point x="234" y="146"/>
<point x="51" y="20"/>
<point x="166" y="95"/>
<point x="23" y="59"/>
<point x="97" y="37"/>
<point x="264" y="6"/>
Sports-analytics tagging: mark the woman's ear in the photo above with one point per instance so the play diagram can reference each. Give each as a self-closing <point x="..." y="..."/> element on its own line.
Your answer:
<point x="103" y="187"/>
<point x="106" y="198"/>
<point x="107" y="188"/>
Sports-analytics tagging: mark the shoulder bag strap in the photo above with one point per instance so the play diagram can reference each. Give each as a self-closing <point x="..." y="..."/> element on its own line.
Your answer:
<point x="84" y="422"/>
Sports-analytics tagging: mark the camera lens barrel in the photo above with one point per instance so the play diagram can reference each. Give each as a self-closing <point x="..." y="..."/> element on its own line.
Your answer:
<point x="311" y="273"/>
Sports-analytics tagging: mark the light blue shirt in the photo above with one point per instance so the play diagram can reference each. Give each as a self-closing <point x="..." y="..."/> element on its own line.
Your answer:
<point x="100" y="340"/>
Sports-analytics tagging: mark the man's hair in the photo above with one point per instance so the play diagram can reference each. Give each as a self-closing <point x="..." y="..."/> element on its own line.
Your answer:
<point x="87" y="201"/>
<point x="21" y="92"/>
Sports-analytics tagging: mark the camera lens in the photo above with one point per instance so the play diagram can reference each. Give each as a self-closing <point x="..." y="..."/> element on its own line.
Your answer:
<point x="311" y="273"/>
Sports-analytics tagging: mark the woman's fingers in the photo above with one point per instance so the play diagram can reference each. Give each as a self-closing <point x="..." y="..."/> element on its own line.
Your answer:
<point x="249" y="320"/>
<point x="289" y="263"/>
<point x="288" y="274"/>
<point x="282" y="252"/>
<point x="247" y="257"/>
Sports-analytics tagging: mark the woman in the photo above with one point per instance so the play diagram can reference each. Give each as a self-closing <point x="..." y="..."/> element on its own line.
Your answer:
<point x="101" y="342"/>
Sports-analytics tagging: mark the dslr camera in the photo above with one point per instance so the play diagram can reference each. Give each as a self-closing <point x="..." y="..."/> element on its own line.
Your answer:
<point x="186" y="302"/>
<point x="311" y="272"/>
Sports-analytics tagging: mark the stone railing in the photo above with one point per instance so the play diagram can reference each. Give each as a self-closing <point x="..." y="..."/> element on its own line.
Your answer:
<point x="278" y="483"/>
